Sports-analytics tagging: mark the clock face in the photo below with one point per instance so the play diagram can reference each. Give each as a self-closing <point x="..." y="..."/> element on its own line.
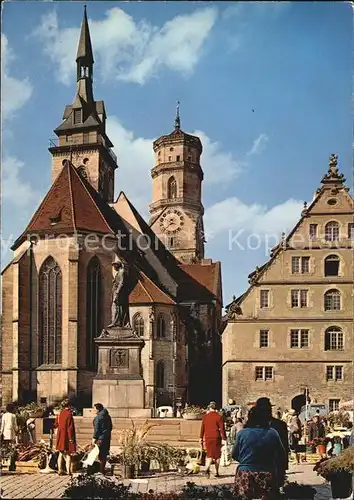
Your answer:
<point x="171" y="221"/>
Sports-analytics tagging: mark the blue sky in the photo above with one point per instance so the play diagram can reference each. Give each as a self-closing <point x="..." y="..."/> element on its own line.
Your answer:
<point x="266" y="86"/>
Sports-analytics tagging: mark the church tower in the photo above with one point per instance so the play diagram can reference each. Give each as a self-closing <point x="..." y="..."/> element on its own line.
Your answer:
<point x="82" y="136"/>
<point x="176" y="211"/>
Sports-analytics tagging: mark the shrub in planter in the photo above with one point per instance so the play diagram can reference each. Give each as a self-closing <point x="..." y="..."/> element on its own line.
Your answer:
<point x="193" y="413"/>
<point x="338" y="471"/>
<point x="94" y="487"/>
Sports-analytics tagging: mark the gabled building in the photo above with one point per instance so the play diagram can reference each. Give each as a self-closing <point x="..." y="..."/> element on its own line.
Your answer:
<point x="292" y="330"/>
<point x="57" y="290"/>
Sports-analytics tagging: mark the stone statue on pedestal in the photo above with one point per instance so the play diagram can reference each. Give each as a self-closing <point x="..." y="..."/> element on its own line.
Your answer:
<point x="120" y="298"/>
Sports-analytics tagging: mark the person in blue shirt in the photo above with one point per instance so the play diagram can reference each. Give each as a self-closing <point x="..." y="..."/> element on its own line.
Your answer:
<point x="258" y="451"/>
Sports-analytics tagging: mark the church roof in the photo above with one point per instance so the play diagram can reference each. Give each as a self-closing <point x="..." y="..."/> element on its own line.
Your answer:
<point x="71" y="205"/>
<point x="205" y="274"/>
<point x="146" y="292"/>
<point x="84" y="49"/>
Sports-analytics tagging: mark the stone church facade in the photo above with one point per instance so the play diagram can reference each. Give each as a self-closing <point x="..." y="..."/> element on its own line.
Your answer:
<point x="292" y="330"/>
<point x="57" y="290"/>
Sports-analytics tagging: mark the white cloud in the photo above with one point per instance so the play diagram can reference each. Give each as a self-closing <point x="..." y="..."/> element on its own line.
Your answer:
<point x="14" y="190"/>
<point x="135" y="159"/>
<point x="233" y="214"/>
<point x="128" y="50"/>
<point x="14" y="92"/>
<point x="266" y="8"/>
<point x="259" y="144"/>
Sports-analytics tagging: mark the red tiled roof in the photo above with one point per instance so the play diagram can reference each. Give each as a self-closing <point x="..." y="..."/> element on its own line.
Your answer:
<point x="146" y="291"/>
<point x="71" y="202"/>
<point x="205" y="274"/>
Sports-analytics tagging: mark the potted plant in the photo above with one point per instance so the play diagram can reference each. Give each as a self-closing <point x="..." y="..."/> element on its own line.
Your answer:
<point x="193" y="413"/>
<point x="131" y="442"/>
<point x="340" y="418"/>
<point x="338" y="471"/>
<point x="297" y="491"/>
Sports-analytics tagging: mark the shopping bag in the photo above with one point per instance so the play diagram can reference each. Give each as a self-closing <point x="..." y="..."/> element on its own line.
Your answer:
<point x="201" y="457"/>
<point x="92" y="456"/>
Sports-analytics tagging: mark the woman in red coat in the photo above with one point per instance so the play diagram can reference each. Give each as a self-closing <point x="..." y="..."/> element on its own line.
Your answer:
<point x="66" y="442"/>
<point x="212" y="433"/>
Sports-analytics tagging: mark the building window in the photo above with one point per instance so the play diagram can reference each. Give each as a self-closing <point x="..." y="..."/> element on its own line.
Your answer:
<point x="69" y="137"/>
<point x="334" y="339"/>
<point x="335" y="373"/>
<point x="170" y="158"/>
<point x="333" y="404"/>
<point x="160" y="375"/>
<point x="93" y="309"/>
<point x="331" y="265"/>
<point x="299" y="339"/>
<point x="300" y="265"/>
<point x="332" y="300"/>
<point x="189" y="158"/>
<point x="264" y="299"/>
<point x="171" y="242"/>
<point x="138" y="324"/>
<point x="313" y="231"/>
<point x="264" y="372"/>
<point x="50" y="313"/>
<point x="299" y="298"/>
<point x="351" y="230"/>
<point x="161" y="327"/>
<point x="264" y="338"/>
<point x="77" y="116"/>
<point x="171" y="188"/>
<point x="178" y="158"/>
<point x="171" y="149"/>
<point x="332" y="231"/>
<point x="86" y="137"/>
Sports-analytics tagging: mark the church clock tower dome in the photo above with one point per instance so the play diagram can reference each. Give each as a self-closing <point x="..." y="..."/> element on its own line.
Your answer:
<point x="177" y="210"/>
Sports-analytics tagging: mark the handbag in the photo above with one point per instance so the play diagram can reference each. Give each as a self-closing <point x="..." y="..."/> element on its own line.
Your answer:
<point x="92" y="456"/>
<point x="201" y="457"/>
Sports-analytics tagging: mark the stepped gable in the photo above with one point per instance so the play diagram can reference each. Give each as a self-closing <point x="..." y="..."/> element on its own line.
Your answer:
<point x="332" y="184"/>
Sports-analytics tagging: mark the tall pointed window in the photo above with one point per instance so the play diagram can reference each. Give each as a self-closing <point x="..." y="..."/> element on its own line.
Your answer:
<point x="160" y="375"/>
<point x="77" y="116"/>
<point x="138" y="324"/>
<point x="93" y="309"/>
<point x="171" y="188"/>
<point x="161" y="327"/>
<point x="50" y="313"/>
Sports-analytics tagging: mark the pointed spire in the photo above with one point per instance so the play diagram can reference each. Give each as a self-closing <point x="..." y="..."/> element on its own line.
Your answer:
<point x="84" y="49"/>
<point x="333" y="176"/>
<point x="177" y="119"/>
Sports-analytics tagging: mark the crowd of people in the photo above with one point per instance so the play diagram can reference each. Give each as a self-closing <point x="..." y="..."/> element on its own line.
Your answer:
<point x="261" y="445"/>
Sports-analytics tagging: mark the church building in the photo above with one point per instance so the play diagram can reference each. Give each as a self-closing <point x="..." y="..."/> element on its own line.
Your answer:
<point x="292" y="333"/>
<point x="57" y="289"/>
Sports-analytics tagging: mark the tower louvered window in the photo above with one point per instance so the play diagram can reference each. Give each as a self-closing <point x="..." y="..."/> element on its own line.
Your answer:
<point x="50" y="313"/>
<point x="93" y="310"/>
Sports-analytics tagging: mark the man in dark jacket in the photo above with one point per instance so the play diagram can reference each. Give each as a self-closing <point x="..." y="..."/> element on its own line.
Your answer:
<point x="102" y="425"/>
<point x="282" y="429"/>
<point x="316" y="429"/>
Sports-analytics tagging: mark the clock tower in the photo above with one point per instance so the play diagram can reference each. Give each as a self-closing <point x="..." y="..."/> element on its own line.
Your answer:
<point x="176" y="212"/>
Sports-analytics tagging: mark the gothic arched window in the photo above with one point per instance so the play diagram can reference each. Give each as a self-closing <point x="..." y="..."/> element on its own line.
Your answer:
<point x="332" y="300"/>
<point x="171" y="188"/>
<point x="334" y="339"/>
<point x="50" y="313"/>
<point x="332" y="231"/>
<point x="161" y="327"/>
<point x="331" y="265"/>
<point x="160" y="375"/>
<point x="138" y="324"/>
<point x="93" y="309"/>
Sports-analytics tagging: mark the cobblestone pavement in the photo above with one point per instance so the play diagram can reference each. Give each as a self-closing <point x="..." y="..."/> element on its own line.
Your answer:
<point x="37" y="485"/>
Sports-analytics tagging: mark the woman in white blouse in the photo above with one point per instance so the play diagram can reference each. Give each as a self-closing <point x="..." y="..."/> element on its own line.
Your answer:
<point x="8" y="429"/>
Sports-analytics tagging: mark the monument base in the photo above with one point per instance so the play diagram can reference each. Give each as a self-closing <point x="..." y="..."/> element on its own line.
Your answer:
<point x="122" y="412"/>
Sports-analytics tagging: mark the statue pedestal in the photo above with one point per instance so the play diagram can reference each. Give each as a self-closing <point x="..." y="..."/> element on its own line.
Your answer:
<point x="119" y="384"/>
